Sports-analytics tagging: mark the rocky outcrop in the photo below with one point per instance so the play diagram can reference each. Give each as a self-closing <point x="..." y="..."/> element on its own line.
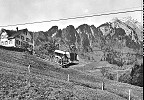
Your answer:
<point x="86" y="37"/>
<point x="117" y="36"/>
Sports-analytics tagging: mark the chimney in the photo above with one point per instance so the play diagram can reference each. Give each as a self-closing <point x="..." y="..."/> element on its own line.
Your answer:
<point x="17" y="28"/>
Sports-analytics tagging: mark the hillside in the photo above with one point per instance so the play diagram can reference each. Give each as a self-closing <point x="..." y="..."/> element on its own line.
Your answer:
<point x="47" y="80"/>
<point x="119" y="42"/>
<point x="114" y="48"/>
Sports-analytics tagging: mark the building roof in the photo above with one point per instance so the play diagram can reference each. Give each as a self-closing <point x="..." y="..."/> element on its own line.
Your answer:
<point x="62" y="52"/>
<point x="12" y="34"/>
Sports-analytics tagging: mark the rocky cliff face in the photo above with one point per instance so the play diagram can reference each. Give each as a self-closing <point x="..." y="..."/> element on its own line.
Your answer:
<point x="111" y="36"/>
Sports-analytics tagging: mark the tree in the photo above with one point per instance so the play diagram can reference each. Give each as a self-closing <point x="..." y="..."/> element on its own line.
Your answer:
<point x="48" y="48"/>
<point x="135" y="77"/>
<point x="104" y="71"/>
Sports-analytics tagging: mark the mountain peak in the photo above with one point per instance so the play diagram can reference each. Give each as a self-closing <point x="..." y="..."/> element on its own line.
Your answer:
<point x="87" y="36"/>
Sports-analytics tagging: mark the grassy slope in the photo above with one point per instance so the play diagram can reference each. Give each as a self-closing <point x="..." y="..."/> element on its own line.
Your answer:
<point x="15" y="62"/>
<point x="94" y="68"/>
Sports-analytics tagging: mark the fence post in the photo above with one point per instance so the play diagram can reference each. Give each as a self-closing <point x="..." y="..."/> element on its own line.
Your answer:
<point x="102" y="85"/>
<point x="129" y="94"/>
<point x="68" y="78"/>
<point x="29" y="69"/>
<point x="28" y="82"/>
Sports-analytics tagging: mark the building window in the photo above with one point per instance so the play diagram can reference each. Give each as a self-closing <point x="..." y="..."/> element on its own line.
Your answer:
<point x="27" y="39"/>
<point x="21" y="43"/>
<point x="18" y="42"/>
<point x="6" y="42"/>
<point x="22" y="37"/>
<point x="25" y="33"/>
<point x="2" y="43"/>
<point x="2" y="37"/>
<point x="10" y="41"/>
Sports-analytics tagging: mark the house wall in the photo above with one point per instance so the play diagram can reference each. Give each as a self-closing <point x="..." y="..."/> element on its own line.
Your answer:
<point x="20" y="41"/>
<point x="23" y="39"/>
<point x="5" y="42"/>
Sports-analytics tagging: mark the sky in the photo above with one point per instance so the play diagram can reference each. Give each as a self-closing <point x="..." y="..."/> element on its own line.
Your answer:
<point x="27" y="11"/>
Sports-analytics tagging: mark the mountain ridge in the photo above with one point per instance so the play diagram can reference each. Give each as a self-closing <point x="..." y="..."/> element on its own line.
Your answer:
<point x="110" y="37"/>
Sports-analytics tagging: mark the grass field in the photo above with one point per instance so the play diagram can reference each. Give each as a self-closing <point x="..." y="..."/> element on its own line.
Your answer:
<point x="82" y="86"/>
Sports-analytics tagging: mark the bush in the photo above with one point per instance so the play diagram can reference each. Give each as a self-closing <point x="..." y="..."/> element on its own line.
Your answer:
<point x="135" y="77"/>
<point x="110" y="76"/>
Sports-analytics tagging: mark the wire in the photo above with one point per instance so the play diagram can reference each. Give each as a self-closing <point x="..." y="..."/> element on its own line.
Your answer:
<point x="79" y="17"/>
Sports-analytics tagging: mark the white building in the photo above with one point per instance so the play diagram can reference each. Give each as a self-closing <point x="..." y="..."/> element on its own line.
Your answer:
<point x="20" y="38"/>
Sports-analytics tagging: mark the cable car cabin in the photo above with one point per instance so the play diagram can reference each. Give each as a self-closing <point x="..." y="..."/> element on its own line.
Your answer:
<point x="64" y="58"/>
